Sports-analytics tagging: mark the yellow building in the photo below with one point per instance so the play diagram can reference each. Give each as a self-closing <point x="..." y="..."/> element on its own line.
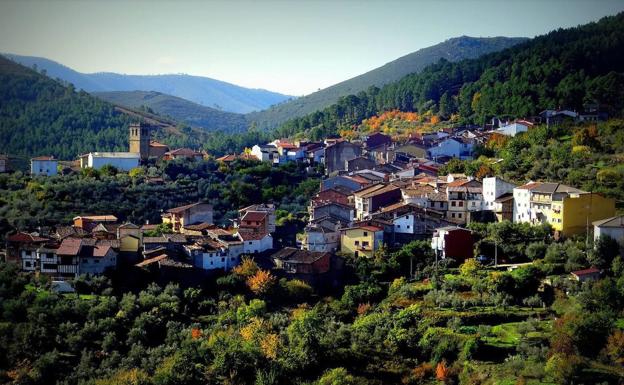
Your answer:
<point x="361" y="241"/>
<point x="570" y="214"/>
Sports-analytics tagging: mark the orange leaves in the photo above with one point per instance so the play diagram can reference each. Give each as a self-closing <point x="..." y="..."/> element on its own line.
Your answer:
<point x="196" y="333"/>
<point x="441" y="371"/>
<point x="435" y="119"/>
<point x="497" y="141"/>
<point x="261" y="282"/>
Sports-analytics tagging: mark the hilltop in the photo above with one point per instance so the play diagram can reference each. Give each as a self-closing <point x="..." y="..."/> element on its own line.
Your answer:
<point x="452" y="50"/>
<point x="198" y="89"/>
<point x="182" y="110"/>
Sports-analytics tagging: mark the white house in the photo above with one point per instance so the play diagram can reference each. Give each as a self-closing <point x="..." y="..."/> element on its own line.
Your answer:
<point x="256" y="243"/>
<point x="43" y="165"/>
<point x="123" y="161"/>
<point x="513" y="129"/>
<point x="493" y="188"/>
<point x="612" y="227"/>
<point x="522" y="202"/>
<point x="266" y="153"/>
<point x="321" y="238"/>
<point x="97" y="259"/>
<point x="452" y="147"/>
<point x="211" y="254"/>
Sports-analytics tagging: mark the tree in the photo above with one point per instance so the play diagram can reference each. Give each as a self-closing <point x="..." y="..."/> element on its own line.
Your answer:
<point x="262" y="282"/>
<point x="604" y="252"/>
<point x="246" y="268"/>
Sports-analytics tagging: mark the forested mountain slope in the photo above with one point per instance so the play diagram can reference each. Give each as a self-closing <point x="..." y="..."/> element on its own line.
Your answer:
<point x="455" y="49"/>
<point x="564" y="68"/>
<point x="198" y="89"/>
<point x="182" y="110"/>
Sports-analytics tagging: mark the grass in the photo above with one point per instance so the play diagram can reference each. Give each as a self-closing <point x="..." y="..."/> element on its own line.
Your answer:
<point x="509" y="334"/>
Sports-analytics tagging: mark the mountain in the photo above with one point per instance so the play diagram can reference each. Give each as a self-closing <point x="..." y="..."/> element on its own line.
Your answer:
<point x="564" y="68"/>
<point x="179" y="109"/>
<point x="40" y="116"/>
<point x="453" y="50"/>
<point x="201" y="90"/>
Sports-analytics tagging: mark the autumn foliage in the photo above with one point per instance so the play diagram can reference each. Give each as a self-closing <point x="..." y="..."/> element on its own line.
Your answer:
<point x="196" y="333"/>
<point x="246" y="268"/>
<point x="442" y="371"/>
<point x="261" y="282"/>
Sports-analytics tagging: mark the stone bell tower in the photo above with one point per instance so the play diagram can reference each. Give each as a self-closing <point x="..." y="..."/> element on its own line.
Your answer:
<point x="139" y="139"/>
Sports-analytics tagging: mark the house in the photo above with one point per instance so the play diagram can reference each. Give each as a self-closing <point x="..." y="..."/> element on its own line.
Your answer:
<point x="209" y="254"/>
<point x="425" y="195"/>
<point x="295" y="262"/>
<point x="337" y="154"/>
<point x="123" y="161"/>
<point x="514" y="128"/>
<point x="289" y="151"/>
<point x="89" y="222"/>
<point x="169" y="242"/>
<point x="48" y="259"/>
<point x="4" y="163"/>
<point x="19" y="241"/>
<point x="68" y="258"/>
<point x="267" y="208"/>
<point x="411" y="151"/>
<point x="337" y="194"/>
<point x="193" y="213"/>
<point x="359" y="163"/>
<point x="410" y="222"/>
<point x="256" y="222"/>
<point x="345" y="213"/>
<point x="372" y="198"/>
<point x="254" y="243"/>
<point x="183" y="153"/>
<point x="349" y="182"/>
<point x="43" y="165"/>
<point x="97" y="258"/>
<point x="266" y="153"/>
<point x="454" y="147"/>
<point x="157" y="150"/>
<point x="464" y="198"/>
<point x="568" y="209"/>
<point x="612" y="227"/>
<point x="498" y="197"/>
<point x="556" y="117"/>
<point x="313" y="152"/>
<point x="377" y="139"/>
<point x="453" y="242"/>
<point x="321" y="238"/>
<point x="591" y="274"/>
<point x="361" y="240"/>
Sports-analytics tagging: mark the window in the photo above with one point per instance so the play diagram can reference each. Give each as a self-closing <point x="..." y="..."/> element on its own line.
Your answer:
<point x="364" y="244"/>
<point x="250" y="242"/>
<point x="461" y="204"/>
<point x="399" y="226"/>
<point x="357" y="243"/>
<point x="453" y="215"/>
<point x="408" y="226"/>
<point x="453" y="204"/>
<point x="222" y="259"/>
<point x="459" y="215"/>
<point x="366" y="234"/>
<point x="472" y="203"/>
<point x="27" y="264"/>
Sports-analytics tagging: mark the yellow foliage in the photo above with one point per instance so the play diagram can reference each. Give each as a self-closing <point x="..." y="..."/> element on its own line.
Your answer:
<point x="253" y="329"/>
<point x="261" y="282"/>
<point x="125" y="377"/>
<point x="270" y="345"/>
<point x="435" y="119"/>
<point x="246" y="268"/>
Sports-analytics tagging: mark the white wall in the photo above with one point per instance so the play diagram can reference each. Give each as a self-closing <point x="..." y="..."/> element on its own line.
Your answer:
<point x="121" y="163"/>
<point x="258" y="245"/>
<point x="43" y="167"/>
<point x="522" y="205"/>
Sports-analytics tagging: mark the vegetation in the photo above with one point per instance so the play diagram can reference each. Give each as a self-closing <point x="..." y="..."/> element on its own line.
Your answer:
<point x="566" y="67"/>
<point x="27" y="202"/>
<point x="455" y="49"/>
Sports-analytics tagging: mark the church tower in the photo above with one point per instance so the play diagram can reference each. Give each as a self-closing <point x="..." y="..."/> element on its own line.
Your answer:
<point x="140" y="139"/>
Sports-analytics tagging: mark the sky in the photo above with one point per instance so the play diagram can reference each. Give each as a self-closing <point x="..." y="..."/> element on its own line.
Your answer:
<point x="292" y="47"/>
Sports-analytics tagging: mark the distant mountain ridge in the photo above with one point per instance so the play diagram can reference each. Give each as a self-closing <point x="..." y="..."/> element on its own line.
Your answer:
<point x="455" y="49"/>
<point x="179" y="109"/>
<point x="201" y="90"/>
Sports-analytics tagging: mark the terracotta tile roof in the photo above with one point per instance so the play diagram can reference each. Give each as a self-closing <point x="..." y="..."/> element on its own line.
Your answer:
<point x="154" y="143"/>
<point x="70" y="246"/>
<point x="183" y="152"/>
<point x="591" y="270"/>
<point x="98" y="218"/>
<point x="252" y="236"/>
<point x="293" y="255"/>
<point x="43" y="158"/>
<point x="101" y="250"/>
<point x="25" y="237"/>
<point x="458" y="183"/>
<point x="151" y="260"/>
<point x="529" y="186"/>
<point x="255" y="216"/>
<point x="177" y="210"/>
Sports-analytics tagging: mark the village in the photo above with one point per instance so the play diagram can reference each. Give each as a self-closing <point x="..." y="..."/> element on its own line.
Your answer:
<point x="377" y="194"/>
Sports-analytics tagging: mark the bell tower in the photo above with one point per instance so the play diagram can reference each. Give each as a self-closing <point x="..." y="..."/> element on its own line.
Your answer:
<point x="139" y="139"/>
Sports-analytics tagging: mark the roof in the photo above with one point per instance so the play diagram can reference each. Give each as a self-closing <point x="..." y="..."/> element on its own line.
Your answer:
<point x="128" y="225"/>
<point x="183" y="152"/>
<point x="25" y="237"/>
<point x="177" y="210"/>
<point x="48" y="158"/>
<point x="529" y="186"/>
<point x="69" y="246"/>
<point x="591" y="270"/>
<point x="199" y="226"/>
<point x="452" y="228"/>
<point x="504" y="198"/>
<point x="550" y="188"/>
<point x="101" y="250"/>
<point x="98" y="218"/>
<point x="154" y="143"/>
<point x="364" y="227"/>
<point x="458" y="183"/>
<point x="151" y="260"/>
<point x="293" y="255"/>
<point x="374" y="190"/>
<point x="252" y="236"/>
<point x="610" y="222"/>
<point x="254" y="216"/>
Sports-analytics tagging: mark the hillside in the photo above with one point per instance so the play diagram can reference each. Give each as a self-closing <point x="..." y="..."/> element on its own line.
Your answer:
<point x="40" y="116"/>
<point x="455" y="49"/>
<point x="179" y="109"/>
<point x="564" y="68"/>
<point x="202" y="90"/>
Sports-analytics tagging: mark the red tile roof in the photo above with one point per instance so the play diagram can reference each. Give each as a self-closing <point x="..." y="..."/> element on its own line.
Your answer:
<point x="69" y="246"/>
<point x="25" y="237"/>
<point x="43" y="158"/>
<point x="254" y="216"/>
<point x="591" y="270"/>
<point x="101" y="250"/>
<point x="252" y="236"/>
<point x="529" y="186"/>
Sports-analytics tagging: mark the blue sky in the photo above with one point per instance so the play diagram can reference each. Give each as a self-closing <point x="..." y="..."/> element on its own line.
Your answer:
<point x="294" y="47"/>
